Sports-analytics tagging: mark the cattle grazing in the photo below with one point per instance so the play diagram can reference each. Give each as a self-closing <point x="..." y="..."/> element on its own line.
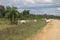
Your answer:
<point x="35" y="20"/>
<point x="23" y="21"/>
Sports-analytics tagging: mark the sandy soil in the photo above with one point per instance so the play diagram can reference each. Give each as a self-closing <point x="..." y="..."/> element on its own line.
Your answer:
<point x="50" y="32"/>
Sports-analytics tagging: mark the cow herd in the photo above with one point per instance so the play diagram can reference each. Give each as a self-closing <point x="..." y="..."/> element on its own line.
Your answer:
<point x="35" y="20"/>
<point x="25" y="21"/>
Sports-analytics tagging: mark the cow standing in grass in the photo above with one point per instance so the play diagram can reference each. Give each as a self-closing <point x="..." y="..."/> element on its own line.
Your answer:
<point x="23" y="21"/>
<point x="35" y="20"/>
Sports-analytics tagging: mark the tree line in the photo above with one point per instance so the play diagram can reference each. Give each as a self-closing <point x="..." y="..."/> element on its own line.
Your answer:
<point x="12" y="14"/>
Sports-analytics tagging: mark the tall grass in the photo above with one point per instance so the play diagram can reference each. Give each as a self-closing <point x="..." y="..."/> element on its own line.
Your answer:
<point x="22" y="31"/>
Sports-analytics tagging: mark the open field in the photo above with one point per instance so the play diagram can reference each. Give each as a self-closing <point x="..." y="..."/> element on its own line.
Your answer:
<point x="19" y="32"/>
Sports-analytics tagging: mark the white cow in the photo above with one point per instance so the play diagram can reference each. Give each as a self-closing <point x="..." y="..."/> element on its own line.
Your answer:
<point x="23" y="21"/>
<point x="35" y="20"/>
<point x="48" y="20"/>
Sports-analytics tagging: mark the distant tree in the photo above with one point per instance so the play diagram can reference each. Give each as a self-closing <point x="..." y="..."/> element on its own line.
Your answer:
<point x="2" y="11"/>
<point x="12" y="14"/>
<point x="25" y="14"/>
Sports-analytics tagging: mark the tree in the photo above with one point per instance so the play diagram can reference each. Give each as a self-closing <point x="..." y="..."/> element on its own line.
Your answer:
<point x="12" y="14"/>
<point x="2" y="11"/>
<point x="25" y="14"/>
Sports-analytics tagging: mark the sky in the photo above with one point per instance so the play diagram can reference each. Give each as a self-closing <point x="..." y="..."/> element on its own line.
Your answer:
<point x="51" y="7"/>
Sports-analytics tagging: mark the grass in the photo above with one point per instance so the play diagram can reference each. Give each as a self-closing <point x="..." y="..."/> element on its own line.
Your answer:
<point x="20" y="32"/>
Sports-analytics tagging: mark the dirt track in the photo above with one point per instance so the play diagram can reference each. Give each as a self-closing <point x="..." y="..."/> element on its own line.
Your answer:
<point x="50" y="32"/>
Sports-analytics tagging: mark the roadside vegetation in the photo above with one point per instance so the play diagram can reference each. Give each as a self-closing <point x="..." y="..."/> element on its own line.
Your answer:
<point x="20" y="32"/>
<point x="11" y="30"/>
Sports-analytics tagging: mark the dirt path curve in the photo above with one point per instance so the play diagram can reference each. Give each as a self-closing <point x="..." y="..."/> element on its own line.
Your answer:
<point x="50" y="32"/>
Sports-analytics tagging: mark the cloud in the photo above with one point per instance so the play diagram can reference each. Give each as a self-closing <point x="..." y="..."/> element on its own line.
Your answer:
<point x="58" y="9"/>
<point x="42" y="6"/>
<point x="48" y="1"/>
<point x="56" y="1"/>
<point x="30" y="1"/>
<point x="45" y="1"/>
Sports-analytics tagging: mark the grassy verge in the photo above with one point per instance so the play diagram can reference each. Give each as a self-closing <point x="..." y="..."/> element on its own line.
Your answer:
<point x="20" y="32"/>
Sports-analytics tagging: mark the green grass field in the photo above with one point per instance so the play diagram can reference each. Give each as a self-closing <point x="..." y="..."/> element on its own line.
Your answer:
<point x="19" y="32"/>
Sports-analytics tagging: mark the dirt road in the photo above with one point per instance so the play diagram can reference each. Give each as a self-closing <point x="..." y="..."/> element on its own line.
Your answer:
<point x="50" y="32"/>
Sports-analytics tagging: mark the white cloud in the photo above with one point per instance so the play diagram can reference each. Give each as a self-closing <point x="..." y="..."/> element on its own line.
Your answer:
<point x="36" y="2"/>
<point x="44" y="1"/>
<point x="58" y="9"/>
<point x="48" y="1"/>
<point x="28" y="2"/>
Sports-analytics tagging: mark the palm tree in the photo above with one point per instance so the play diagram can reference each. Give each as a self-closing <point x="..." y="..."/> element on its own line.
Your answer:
<point x="12" y="14"/>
